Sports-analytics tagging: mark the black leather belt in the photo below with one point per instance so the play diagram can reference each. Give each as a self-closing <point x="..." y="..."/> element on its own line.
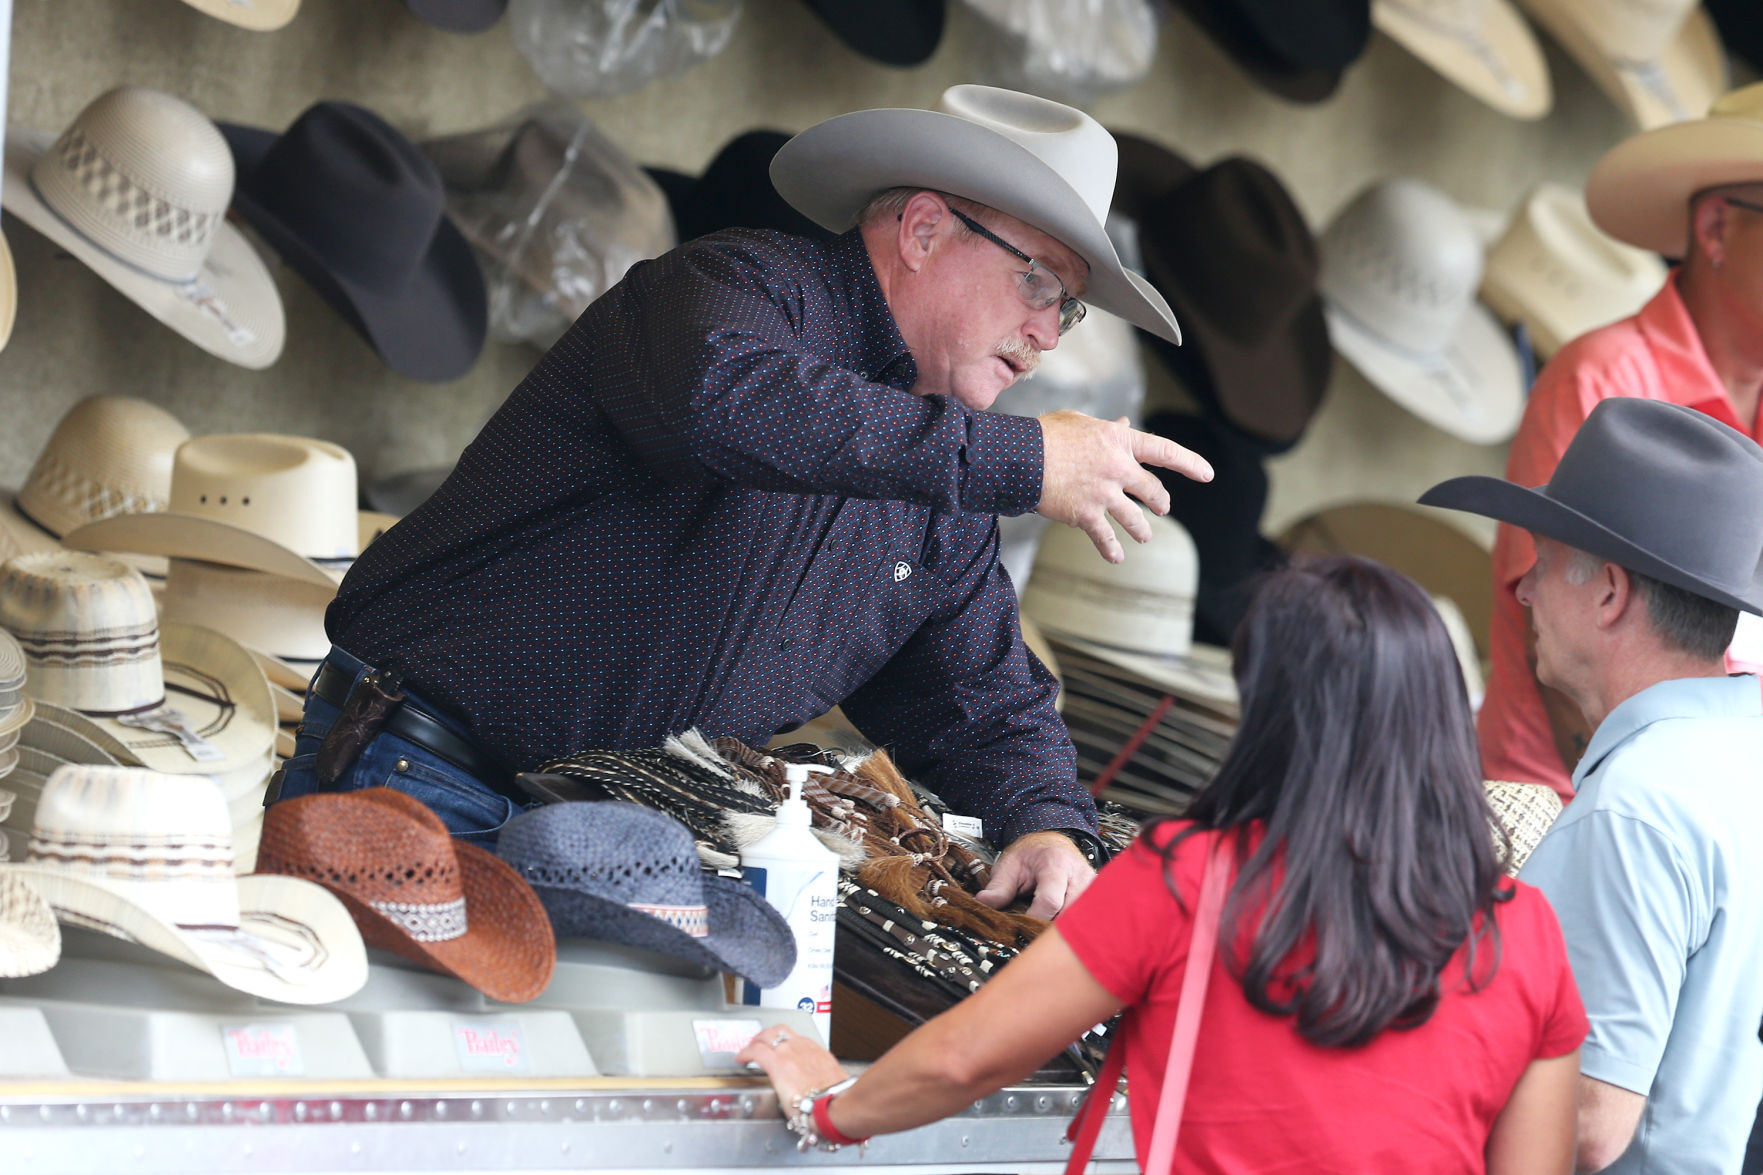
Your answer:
<point x="417" y="725"/>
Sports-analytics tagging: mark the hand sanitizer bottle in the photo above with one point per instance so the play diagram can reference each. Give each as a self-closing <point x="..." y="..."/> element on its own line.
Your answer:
<point x="799" y="876"/>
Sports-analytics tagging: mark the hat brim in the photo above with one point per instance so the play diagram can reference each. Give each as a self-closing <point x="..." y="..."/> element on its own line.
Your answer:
<point x="458" y="16"/>
<point x="1534" y="510"/>
<point x="1287" y="79"/>
<point x="1203" y="675"/>
<point x="292" y="675"/>
<point x="432" y="330"/>
<point x="1473" y="388"/>
<point x="191" y="536"/>
<point x="30" y="939"/>
<point x="892" y="32"/>
<point x="747" y="936"/>
<point x="1640" y="191"/>
<point x="240" y="320"/>
<point x="259" y="16"/>
<point x="67" y="735"/>
<point x="1692" y="67"/>
<point x="8" y="292"/>
<point x="829" y="172"/>
<point x="1512" y="76"/>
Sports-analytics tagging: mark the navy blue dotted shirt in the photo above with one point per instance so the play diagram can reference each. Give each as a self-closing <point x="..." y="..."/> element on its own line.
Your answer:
<point x="715" y="503"/>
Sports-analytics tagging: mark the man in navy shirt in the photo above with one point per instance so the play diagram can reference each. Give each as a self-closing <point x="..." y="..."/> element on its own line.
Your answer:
<point x="755" y="480"/>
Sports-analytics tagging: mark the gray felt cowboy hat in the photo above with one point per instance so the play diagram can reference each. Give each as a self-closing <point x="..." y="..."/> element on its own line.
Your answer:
<point x="628" y="874"/>
<point x="1657" y="488"/>
<point x="1048" y="165"/>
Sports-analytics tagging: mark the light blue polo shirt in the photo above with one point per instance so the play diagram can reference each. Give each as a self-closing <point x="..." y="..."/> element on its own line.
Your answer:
<point x="1656" y="873"/>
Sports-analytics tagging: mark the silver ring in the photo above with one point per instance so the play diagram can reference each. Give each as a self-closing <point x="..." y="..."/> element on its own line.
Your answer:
<point x="777" y="1042"/>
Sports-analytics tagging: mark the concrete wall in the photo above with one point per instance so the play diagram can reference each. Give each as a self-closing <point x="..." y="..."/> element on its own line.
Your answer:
<point x="75" y="336"/>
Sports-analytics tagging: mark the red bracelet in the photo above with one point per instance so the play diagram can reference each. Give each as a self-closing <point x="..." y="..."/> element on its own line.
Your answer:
<point x="823" y="1123"/>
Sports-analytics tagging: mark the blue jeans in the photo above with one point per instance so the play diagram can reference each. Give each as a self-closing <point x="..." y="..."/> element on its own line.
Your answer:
<point x="471" y="809"/>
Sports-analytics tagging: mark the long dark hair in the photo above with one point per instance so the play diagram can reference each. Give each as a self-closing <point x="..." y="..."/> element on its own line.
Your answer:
<point x="1357" y="753"/>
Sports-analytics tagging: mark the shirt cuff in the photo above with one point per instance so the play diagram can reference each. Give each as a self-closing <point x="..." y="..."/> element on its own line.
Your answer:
<point x="1599" y="1065"/>
<point x="1041" y="817"/>
<point x="1003" y="461"/>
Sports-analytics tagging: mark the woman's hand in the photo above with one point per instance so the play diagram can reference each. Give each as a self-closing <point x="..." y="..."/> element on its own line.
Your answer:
<point x="795" y="1063"/>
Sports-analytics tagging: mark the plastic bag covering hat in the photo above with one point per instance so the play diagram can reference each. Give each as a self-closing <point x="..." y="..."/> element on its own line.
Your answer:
<point x="596" y="48"/>
<point x="555" y="213"/>
<point x="1070" y="49"/>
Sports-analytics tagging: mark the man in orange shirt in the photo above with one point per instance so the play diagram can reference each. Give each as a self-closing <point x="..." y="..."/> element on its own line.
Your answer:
<point x="1693" y="191"/>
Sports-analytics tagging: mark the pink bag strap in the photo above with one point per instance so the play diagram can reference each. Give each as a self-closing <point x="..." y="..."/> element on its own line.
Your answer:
<point x="1202" y="948"/>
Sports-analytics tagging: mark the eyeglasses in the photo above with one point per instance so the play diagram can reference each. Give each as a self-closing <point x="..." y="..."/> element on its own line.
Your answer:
<point x="1038" y="286"/>
<point x="1734" y="200"/>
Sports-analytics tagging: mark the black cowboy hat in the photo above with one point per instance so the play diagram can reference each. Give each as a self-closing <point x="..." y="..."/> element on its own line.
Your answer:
<point x="1654" y="487"/>
<point x="459" y="16"/>
<point x="735" y="191"/>
<point x="1228" y="248"/>
<point x="352" y="205"/>
<point x="893" y="32"/>
<point x="1741" y="27"/>
<point x="1299" y="49"/>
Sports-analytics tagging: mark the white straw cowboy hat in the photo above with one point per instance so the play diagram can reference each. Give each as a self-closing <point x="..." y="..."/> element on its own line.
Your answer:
<point x="149" y="858"/>
<point x="1482" y="46"/>
<point x="137" y="188"/>
<point x="1400" y="266"/>
<point x="279" y="504"/>
<point x="1660" y="61"/>
<point x="1046" y="164"/>
<point x="1137" y="615"/>
<point x="30" y="938"/>
<point x="8" y="291"/>
<point x="108" y="455"/>
<point x="1640" y="190"/>
<point x="173" y="697"/>
<point x="1560" y="275"/>
<point x="257" y="15"/>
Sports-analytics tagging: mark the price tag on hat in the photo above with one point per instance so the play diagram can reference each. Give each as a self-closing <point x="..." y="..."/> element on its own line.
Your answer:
<point x="170" y="720"/>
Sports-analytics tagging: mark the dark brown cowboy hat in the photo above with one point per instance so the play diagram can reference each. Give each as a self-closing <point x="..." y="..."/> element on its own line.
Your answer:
<point x="1296" y="50"/>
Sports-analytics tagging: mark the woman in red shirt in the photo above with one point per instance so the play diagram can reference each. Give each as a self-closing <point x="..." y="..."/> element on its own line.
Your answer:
<point x="1383" y="998"/>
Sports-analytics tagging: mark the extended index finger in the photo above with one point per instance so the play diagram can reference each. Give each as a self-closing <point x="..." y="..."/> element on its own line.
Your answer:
<point x="1150" y="449"/>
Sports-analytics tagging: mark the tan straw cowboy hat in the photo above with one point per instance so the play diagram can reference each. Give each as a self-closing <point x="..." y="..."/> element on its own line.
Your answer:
<point x="1482" y="46"/>
<point x="30" y="938"/>
<point x="1640" y="190"/>
<point x="137" y="188"/>
<point x="1660" y="61"/>
<point x="8" y="292"/>
<point x="1046" y="164"/>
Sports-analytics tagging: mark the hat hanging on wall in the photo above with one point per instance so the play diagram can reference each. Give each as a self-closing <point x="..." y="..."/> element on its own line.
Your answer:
<point x="1639" y="192"/>
<point x="1557" y="273"/>
<point x="1400" y="267"/>
<point x="1298" y="51"/>
<point x="260" y="16"/>
<point x="597" y="48"/>
<point x="1660" y="61"/>
<point x="735" y="191"/>
<point x="352" y="205"/>
<point x="1482" y="46"/>
<point x="1072" y="52"/>
<point x="8" y="292"/>
<point x="137" y="188"/>
<point x="458" y="16"/>
<point x="1740" y="23"/>
<point x="892" y="32"/>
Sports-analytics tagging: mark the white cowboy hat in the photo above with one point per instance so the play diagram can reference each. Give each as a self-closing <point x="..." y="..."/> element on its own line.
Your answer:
<point x="137" y="188"/>
<point x="149" y="858"/>
<point x="1660" y="61"/>
<point x="1482" y="46"/>
<point x="30" y="938"/>
<point x="1400" y="266"/>
<point x="1640" y="191"/>
<point x="1560" y="275"/>
<point x="1048" y="165"/>
<point x="16" y="707"/>
<point x="257" y="15"/>
<point x="8" y="291"/>
<point x="278" y="504"/>
<point x="280" y="620"/>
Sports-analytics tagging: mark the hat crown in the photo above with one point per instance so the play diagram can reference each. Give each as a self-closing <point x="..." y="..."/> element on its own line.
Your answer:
<point x="1063" y="137"/>
<point x="88" y="629"/>
<point x="619" y="852"/>
<point x="295" y="491"/>
<point x="1459" y="16"/>
<point x="109" y="455"/>
<point x="143" y="175"/>
<point x="357" y="190"/>
<point x="1403" y="260"/>
<point x="1635" y="31"/>
<point x="274" y="614"/>
<point x="1654" y="474"/>
<point x="1144" y="604"/>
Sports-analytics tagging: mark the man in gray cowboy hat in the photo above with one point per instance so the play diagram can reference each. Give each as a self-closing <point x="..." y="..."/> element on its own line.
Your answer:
<point x="1649" y="544"/>
<point x="755" y="480"/>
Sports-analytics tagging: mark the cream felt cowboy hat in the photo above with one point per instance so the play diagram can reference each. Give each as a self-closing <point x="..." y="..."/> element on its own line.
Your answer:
<point x="257" y="15"/>
<point x="1400" y="266"/>
<point x="1640" y="191"/>
<point x="1046" y="164"/>
<point x="1482" y="46"/>
<point x="1560" y="275"/>
<point x="137" y="189"/>
<point x="1660" y="61"/>
<point x="108" y="455"/>
<point x="149" y="858"/>
<point x="279" y="504"/>
<point x="173" y="697"/>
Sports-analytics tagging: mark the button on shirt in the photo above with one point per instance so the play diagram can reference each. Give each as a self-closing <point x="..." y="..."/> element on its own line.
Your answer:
<point x="1656" y="355"/>
<point x="715" y="503"/>
<point x="1656" y="873"/>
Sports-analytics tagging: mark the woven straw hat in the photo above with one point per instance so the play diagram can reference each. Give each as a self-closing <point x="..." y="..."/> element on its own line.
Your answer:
<point x="629" y="874"/>
<point x="1561" y="276"/>
<point x="30" y="939"/>
<point x="257" y="15"/>
<point x="108" y="455"/>
<point x="279" y="619"/>
<point x="413" y="889"/>
<point x="1660" y="61"/>
<point x="8" y="292"/>
<point x="16" y="706"/>
<point x="1483" y="46"/>
<point x="1137" y="615"/>
<point x="137" y="188"/>
<point x="149" y="857"/>
<point x="278" y="504"/>
<point x="1524" y="811"/>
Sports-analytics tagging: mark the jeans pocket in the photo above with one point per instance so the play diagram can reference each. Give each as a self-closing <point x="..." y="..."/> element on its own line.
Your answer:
<point x="471" y="811"/>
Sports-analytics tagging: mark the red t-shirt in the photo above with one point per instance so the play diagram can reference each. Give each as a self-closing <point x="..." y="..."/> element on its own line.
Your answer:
<point x="1263" y="1099"/>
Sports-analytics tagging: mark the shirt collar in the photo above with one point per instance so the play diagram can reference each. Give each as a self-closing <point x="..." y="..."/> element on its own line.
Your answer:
<point x="1671" y="333"/>
<point x="883" y="354"/>
<point x="1685" y="697"/>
